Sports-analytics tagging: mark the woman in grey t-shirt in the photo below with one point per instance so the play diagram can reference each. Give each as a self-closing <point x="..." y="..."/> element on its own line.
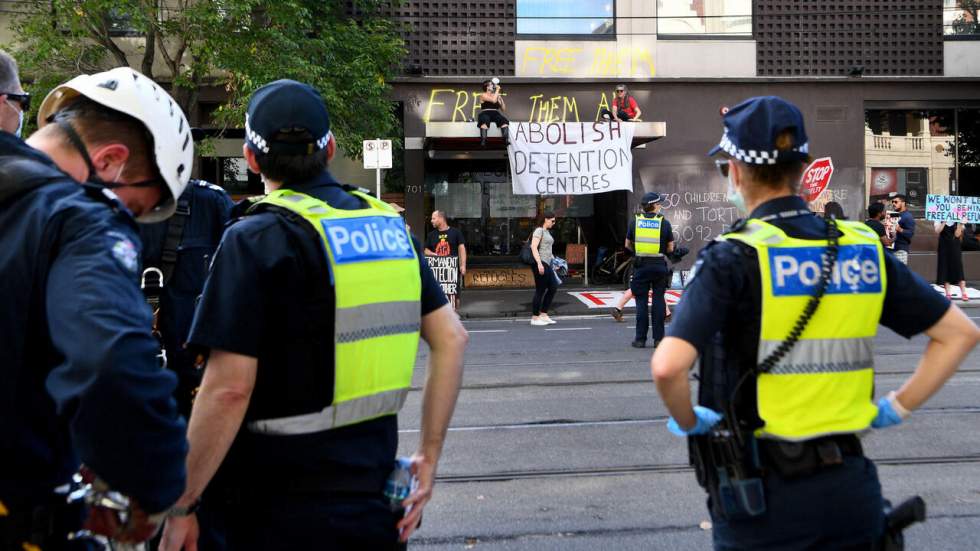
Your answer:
<point x="545" y="282"/>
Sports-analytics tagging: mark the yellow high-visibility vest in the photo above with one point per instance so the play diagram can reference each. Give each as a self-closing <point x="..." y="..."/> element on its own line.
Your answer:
<point x="647" y="234"/>
<point x="825" y="384"/>
<point x="374" y="270"/>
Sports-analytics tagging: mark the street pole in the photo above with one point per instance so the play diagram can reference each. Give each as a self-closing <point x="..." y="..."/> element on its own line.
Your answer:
<point x="377" y="170"/>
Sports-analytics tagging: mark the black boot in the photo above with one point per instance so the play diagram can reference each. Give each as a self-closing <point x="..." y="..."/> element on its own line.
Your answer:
<point x="483" y="137"/>
<point x="505" y="134"/>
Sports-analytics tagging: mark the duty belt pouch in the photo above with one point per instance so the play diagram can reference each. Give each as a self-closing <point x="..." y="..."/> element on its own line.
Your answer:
<point x="799" y="459"/>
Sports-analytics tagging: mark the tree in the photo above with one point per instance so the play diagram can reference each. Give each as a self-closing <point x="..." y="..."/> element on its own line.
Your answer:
<point x="966" y="22"/>
<point x="237" y="45"/>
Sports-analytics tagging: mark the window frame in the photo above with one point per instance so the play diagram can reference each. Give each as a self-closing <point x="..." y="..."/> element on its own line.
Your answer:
<point x="706" y="36"/>
<point x="570" y="37"/>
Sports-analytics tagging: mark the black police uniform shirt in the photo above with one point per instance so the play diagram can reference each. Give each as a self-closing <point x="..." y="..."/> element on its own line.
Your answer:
<point x="253" y="298"/>
<point x="721" y="307"/>
<point x="666" y="236"/>
<point x="81" y="381"/>
<point x="209" y="208"/>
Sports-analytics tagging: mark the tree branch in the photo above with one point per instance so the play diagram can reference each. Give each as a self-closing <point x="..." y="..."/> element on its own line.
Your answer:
<point x="101" y="34"/>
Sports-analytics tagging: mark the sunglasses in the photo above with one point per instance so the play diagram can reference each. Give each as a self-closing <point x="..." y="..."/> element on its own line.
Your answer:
<point x="722" y="166"/>
<point x="24" y="100"/>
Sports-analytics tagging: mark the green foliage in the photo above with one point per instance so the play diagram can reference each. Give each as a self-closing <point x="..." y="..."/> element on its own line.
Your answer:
<point x="235" y="45"/>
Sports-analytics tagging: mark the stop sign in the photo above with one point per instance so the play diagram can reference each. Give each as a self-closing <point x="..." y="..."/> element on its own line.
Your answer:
<point x="815" y="178"/>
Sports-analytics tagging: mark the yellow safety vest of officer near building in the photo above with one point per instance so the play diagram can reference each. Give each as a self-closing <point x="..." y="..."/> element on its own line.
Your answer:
<point x="376" y="331"/>
<point x="647" y="242"/>
<point x="825" y="383"/>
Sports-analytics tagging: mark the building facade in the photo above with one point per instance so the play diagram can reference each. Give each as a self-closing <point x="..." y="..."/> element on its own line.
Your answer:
<point x="890" y="91"/>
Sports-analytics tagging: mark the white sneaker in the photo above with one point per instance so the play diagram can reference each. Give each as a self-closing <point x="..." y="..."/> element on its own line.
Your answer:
<point x="550" y="321"/>
<point x="539" y="322"/>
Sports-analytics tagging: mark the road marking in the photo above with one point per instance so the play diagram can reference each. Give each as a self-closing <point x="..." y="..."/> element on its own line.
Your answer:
<point x="568" y="329"/>
<point x="562" y="425"/>
<point x="488" y="330"/>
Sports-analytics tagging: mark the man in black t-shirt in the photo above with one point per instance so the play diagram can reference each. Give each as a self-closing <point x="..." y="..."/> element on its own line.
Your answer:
<point x="876" y="215"/>
<point x="446" y="241"/>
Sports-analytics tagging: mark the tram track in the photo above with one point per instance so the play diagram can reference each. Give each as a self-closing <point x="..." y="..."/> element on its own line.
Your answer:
<point x="577" y="423"/>
<point x="638" y="380"/>
<point x="667" y="468"/>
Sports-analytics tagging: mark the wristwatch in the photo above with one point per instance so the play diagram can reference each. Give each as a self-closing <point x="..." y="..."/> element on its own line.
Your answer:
<point x="176" y="511"/>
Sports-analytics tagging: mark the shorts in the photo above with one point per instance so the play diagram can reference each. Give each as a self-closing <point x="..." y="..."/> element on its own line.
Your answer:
<point x="491" y="116"/>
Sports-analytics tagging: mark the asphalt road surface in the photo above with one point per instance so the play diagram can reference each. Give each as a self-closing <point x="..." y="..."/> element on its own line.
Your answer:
<point x="559" y="442"/>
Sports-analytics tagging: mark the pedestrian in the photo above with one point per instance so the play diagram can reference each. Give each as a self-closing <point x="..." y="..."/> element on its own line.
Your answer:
<point x="876" y="221"/>
<point x="905" y="228"/>
<point x="444" y="240"/>
<point x="311" y="316"/>
<point x="492" y="106"/>
<point x="791" y="403"/>
<point x="835" y="210"/>
<point x="650" y="237"/>
<point x="624" y="106"/>
<point x="617" y="311"/>
<point x="81" y="380"/>
<point x="545" y="280"/>
<point x="949" y="258"/>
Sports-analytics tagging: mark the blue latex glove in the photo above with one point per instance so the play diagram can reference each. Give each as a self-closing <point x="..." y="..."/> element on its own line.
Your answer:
<point x="887" y="416"/>
<point x="707" y="418"/>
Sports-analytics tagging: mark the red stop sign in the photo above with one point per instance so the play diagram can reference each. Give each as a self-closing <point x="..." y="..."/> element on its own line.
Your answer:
<point x="815" y="178"/>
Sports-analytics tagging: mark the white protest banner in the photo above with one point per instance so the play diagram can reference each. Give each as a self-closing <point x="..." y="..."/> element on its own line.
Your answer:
<point x="952" y="208"/>
<point x="446" y="270"/>
<point x="570" y="158"/>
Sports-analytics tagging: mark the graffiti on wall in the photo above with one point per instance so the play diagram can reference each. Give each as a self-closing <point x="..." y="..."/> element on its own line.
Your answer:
<point x="463" y="105"/>
<point x="584" y="61"/>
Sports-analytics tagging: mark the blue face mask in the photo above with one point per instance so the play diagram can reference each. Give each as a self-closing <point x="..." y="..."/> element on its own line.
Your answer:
<point x="20" y="126"/>
<point x="735" y="198"/>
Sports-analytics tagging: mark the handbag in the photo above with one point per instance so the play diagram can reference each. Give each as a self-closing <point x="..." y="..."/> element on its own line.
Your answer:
<point x="526" y="256"/>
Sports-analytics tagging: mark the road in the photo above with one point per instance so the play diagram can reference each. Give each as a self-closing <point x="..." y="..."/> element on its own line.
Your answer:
<point x="559" y="442"/>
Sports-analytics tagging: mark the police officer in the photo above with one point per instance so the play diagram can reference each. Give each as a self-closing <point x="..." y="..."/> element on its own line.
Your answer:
<point x="176" y="254"/>
<point x="80" y="378"/>
<point x="312" y="314"/>
<point x="651" y="238"/>
<point x="783" y="311"/>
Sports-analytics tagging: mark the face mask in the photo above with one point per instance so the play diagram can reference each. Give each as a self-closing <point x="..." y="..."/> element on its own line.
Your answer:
<point x="20" y="125"/>
<point x="735" y="198"/>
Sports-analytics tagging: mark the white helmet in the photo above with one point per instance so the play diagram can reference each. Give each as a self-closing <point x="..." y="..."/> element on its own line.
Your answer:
<point x="128" y="91"/>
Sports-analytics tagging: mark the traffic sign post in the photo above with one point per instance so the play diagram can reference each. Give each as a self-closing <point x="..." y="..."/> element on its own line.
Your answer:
<point x="377" y="155"/>
<point x="816" y="178"/>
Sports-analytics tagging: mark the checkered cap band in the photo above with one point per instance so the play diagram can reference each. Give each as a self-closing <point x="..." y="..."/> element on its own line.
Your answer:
<point x="753" y="156"/>
<point x="255" y="139"/>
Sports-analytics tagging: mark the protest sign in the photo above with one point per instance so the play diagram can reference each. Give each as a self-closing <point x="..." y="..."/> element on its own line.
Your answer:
<point x="816" y="178"/>
<point x="952" y="208"/>
<point x="573" y="158"/>
<point x="446" y="270"/>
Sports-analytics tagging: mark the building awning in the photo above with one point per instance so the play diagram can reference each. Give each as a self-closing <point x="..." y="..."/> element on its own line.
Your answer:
<point x="462" y="139"/>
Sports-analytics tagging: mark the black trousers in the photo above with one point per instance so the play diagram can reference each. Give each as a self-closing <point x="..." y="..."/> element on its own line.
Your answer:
<point x="545" y="287"/>
<point x="623" y="115"/>
<point x="651" y="275"/>
<point x="312" y="521"/>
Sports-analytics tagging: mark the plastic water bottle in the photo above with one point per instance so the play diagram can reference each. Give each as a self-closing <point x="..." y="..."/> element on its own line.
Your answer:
<point x="399" y="483"/>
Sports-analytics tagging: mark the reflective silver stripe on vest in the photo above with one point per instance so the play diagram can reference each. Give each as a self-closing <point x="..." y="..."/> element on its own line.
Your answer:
<point x="648" y="240"/>
<point x="821" y="356"/>
<point x="369" y="321"/>
<point x="331" y="417"/>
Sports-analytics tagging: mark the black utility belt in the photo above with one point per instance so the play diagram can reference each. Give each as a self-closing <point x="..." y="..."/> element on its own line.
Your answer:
<point x="340" y="484"/>
<point x="797" y="459"/>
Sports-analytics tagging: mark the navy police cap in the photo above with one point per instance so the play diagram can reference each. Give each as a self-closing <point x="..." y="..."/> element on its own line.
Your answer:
<point x="751" y="129"/>
<point x="650" y="198"/>
<point x="289" y="117"/>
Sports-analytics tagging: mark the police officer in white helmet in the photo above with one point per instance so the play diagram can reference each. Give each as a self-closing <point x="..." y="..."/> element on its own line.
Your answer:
<point x="81" y="380"/>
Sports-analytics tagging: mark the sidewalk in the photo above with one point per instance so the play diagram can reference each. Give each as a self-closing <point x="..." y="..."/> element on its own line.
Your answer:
<point x="516" y="303"/>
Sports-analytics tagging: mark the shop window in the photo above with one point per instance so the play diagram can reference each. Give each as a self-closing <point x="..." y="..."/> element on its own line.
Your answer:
<point x="732" y="18"/>
<point x="917" y="152"/>
<point x="567" y="18"/>
<point x="495" y="222"/>
<point x="232" y="174"/>
<point x="960" y="19"/>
